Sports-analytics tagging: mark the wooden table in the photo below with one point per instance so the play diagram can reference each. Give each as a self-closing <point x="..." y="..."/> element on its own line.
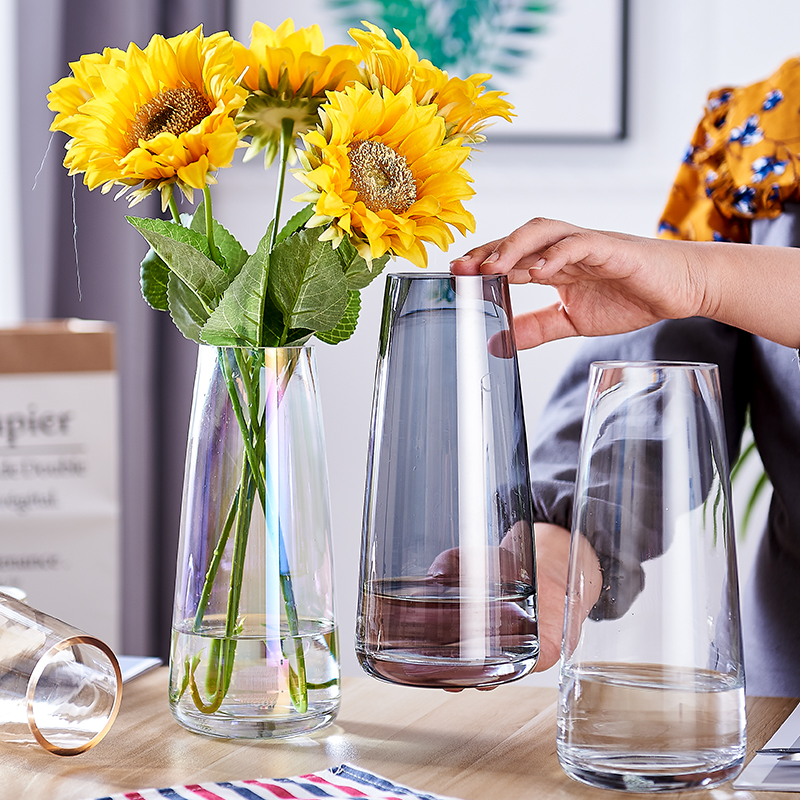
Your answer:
<point x="498" y="745"/>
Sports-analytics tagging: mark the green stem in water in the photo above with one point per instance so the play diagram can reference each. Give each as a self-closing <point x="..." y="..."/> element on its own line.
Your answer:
<point x="223" y="652"/>
<point x="252" y="483"/>
<point x="213" y="567"/>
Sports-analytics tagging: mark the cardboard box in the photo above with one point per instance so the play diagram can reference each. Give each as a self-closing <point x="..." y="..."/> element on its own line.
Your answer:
<point x="59" y="471"/>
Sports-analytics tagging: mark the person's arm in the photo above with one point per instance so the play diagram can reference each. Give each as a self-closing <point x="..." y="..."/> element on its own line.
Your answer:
<point x="552" y="567"/>
<point x="612" y="282"/>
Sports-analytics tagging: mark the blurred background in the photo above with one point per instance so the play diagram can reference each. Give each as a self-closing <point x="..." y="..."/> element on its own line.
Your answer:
<point x="636" y="72"/>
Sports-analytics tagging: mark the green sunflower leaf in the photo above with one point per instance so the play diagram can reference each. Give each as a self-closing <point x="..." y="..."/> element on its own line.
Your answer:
<point x="273" y="325"/>
<point x="203" y="282"/>
<point x="153" y="278"/>
<point x="296" y="222"/>
<point x="239" y="318"/>
<point x="307" y="283"/>
<point x="297" y="337"/>
<point x="346" y="326"/>
<point x="234" y="254"/>
<point x="172" y="230"/>
<point x="356" y="270"/>
<point x="186" y="309"/>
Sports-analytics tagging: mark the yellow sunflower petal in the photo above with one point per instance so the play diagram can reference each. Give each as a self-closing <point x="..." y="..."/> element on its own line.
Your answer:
<point x="385" y="174"/>
<point x="177" y="97"/>
<point x="464" y="104"/>
<point x="288" y="73"/>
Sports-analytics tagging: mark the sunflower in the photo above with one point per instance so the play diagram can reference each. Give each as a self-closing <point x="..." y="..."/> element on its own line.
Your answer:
<point x="464" y="104"/>
<point x="288" y="73"/>
<point x="381" y="173"/>
<point x="70" y="93"/>
<point x="156" y="117"/>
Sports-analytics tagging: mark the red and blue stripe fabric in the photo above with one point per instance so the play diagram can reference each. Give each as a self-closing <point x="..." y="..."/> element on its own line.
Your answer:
<point x="344" y="781"/>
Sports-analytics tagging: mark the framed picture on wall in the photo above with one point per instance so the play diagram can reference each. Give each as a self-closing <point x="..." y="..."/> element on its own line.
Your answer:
<point x="563" y="63"/>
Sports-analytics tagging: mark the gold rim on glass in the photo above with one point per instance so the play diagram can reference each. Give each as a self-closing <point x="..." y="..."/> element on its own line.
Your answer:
<point x="36" y="676"/>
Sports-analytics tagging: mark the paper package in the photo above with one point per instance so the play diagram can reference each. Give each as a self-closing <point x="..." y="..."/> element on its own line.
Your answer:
<point x="59" y="472"/>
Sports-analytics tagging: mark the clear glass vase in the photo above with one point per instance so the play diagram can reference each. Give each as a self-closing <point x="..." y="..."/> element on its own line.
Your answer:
<point x="254" y="642"/>
<point x="448" y="593"/>
<point x="652" y="685"/>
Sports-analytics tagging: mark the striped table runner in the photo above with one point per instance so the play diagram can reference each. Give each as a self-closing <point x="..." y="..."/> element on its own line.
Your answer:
<point x="342" y="781"/>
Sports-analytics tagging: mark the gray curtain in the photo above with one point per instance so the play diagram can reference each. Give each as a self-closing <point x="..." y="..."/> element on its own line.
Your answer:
<point x="81" y="259"/>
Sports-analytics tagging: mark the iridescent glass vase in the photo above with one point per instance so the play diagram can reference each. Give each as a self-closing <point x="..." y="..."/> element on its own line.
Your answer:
<point x="254" y="651"/>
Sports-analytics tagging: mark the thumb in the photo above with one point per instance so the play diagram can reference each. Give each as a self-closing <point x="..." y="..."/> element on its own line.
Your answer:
<point x="544" y="325"/>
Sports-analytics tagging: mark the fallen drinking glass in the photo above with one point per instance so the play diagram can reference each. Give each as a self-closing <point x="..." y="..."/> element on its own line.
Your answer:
<point x="59" y="686"/>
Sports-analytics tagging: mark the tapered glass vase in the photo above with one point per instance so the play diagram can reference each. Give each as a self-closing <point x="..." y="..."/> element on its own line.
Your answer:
<point x="448" y="593"/>
<point x="254" y="640"/>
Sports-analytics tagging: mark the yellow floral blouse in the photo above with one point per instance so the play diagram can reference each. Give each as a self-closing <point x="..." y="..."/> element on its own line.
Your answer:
<point x="743" y="162"/>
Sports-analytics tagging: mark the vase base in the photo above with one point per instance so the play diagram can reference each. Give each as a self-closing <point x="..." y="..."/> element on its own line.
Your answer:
<point x="414" y="669"/>
<point x="255" y="726"/>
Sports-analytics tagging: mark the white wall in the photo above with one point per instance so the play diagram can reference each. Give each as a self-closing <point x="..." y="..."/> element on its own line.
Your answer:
<point x="679" y="50"/>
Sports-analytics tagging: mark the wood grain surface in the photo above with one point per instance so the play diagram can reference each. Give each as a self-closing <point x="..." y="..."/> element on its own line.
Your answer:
<point x="470" y="745"/>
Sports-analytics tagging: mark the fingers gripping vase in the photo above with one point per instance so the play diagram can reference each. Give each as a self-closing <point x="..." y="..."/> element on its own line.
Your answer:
<point x="254" y="641"/>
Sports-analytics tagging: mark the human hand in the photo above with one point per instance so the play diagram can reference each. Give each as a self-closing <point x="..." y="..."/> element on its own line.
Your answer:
<point x="552" y="565"/>
<point x="607" y="282"/>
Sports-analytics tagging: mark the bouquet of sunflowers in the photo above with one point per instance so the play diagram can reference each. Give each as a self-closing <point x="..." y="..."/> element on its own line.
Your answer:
<point x="385" y="136"/>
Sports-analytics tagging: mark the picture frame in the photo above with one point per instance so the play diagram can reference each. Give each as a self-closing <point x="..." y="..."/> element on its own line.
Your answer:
<point x="573" y="87"/>
<point x="563" y="63"/>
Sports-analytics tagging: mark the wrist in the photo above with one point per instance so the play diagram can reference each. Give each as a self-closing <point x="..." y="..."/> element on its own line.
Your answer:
<point x="704" y="279"/>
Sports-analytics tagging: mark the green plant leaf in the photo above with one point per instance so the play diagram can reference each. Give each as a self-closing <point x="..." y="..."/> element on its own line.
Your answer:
<point x="356" y="270"/>
<point x="346" y="326"/>
<point x="307" y="283"/>
<point x="187" y="311"/>
<point x="153" y="278"/>
<point x="296" y="222"/>
<point x="297" y="337"/>
<point x="203" y="281"/>
<point x="761" y="484"/>
<point x="234" y="254"/>
<point x="171" y="230"/>
<point x="272" y="330"/>
<point x="238" y="318"/>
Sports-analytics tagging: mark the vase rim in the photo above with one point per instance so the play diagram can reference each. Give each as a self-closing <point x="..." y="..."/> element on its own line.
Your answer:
<point x="439" y="276"/>
<point x="630" y="364"/>
<point x="296" y="347"/>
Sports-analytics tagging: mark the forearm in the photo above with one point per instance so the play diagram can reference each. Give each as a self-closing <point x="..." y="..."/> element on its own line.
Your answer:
<point x="752" y="287"/>
<point x="552" y="568"/>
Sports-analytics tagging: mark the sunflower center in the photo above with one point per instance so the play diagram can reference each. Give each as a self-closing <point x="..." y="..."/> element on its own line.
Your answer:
<point x="173" y="110"/>
<point x="381" y="177"/>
